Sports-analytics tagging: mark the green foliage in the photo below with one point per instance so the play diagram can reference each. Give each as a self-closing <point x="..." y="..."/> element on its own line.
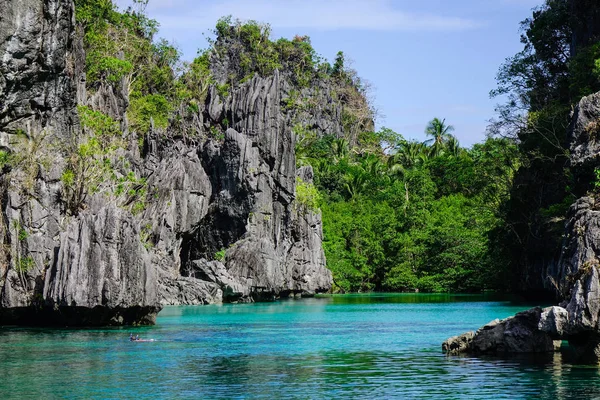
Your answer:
<point x="151" y="107"/>
<point x="120" y="50"/>
<point x="28" y="157"/>
<point x="25" y="264"/>
<point x="557" y="66"/>
<point x="196" y="78"/>
<point x="138" y="207"/>
<point x="384" y="140"/>
<point x="223" y="26"/>
<point x="596" y="182"/>
<point x="114" y="68"/>
<point x="559" y="210"/>
<point x="5" y="159"/>
<point x="22" y="234"/>
<point x="398" y="216"/>
<point x="258" y="54"/>
<point x="338" y="65"/>
<point x="439" y="133"/>
<point x="217" y="133"/>
<point x="584" y="71"/>
<point x="92" y="165"/>
<point x="68" y="178"/>
<point x="114" y="41"/>
<point x="307" y="196"/>
<point x="100" y="124"/>
<point x="220" y="255"/>
<point x="94" y="12"/>
<point x="223" y="90"/>
<point x="145" y="236"/>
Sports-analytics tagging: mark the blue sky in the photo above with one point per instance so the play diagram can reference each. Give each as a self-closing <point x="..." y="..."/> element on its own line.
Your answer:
<point x="424" y="59"/>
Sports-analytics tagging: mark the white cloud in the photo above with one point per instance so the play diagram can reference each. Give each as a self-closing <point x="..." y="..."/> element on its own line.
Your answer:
<point x="195" y="16"/>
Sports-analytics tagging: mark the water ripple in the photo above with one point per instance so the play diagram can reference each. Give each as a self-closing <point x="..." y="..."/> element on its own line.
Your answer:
<point x="321" y="348"/>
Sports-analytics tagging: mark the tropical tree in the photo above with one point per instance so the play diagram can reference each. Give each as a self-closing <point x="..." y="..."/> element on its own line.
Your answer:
<point x="340" y="149"/>
<point x="439" y="133"/>
<point x="453" y="146"/>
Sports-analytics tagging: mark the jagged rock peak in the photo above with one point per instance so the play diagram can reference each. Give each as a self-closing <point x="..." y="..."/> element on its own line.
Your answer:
<point x="196" y="208"/>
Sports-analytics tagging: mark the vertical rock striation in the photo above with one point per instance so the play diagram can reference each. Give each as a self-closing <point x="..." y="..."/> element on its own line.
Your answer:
<point x="36" y="67"/>
<point x="88" y="269"/>
<point x="273" y="245"/>
<point x="221" y="221"/>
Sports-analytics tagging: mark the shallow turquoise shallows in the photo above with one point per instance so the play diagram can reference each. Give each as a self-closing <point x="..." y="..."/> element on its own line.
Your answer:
<point x="337" y="347"/>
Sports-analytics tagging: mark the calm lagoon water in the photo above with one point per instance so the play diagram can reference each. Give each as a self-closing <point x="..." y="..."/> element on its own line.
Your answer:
<point x="362" y="346"/>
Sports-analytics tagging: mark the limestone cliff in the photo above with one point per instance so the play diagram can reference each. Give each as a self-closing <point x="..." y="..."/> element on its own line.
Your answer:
<point x="575" y="276"/>
<point x="108" y="262"/>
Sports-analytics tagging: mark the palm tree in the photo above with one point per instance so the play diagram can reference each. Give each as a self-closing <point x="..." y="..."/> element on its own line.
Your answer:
<point x="453" y="146"/>
<point x="303" y="149"/>
<point x="409" y="154"/>
<point x="340" y="149"/>
<point x="440" y="134"/>
<point x="355" y="180"/>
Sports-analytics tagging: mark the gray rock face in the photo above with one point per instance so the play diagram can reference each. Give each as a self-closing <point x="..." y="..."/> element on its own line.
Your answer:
<point x="235" y="196"/>
<point x="578" y="275"/>
<point x="581" y="244"/>
<point x="584" y="130"/>
<point x="101" y="264"/>
<point x="85" y="269"/>
<point x="36" y="66"/>
<point x="273" y="246"/>
<point x="518" y="334"/>
<point x="554" y="321"/>
<point x="221" y="222"/>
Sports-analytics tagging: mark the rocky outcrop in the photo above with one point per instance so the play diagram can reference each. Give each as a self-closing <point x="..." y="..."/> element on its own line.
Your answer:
<point x="575" y="276"/>
<point x="234" y="197"/>
<point x="220" y="220"/>
<point x="58" y="268"/>
<point x="518" y="334"/>
<point x="458" y="344"/>
<point x="102" y="266"/>
<point x="584" y="132"/>
<point x="273" y="246"/>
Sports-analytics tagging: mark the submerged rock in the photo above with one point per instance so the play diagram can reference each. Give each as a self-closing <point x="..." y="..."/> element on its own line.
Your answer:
<point x="458" y="344"/>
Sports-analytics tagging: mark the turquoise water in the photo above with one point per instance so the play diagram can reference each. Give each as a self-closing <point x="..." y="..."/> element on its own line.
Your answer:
<point x="385" y="346"/>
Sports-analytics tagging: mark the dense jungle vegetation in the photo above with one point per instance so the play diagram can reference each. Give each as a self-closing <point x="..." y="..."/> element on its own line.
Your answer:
<point x="436" y="217"/>
<point x="398" y="214"/>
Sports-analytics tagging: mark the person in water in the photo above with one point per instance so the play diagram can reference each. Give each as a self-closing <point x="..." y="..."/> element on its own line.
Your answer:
<point x="132" y="338"/>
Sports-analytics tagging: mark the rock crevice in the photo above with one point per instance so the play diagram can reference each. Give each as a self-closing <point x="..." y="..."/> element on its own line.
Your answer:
<point x="219" y="222"/>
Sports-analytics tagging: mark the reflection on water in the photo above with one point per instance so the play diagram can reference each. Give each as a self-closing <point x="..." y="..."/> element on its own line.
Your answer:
<point x="355" y="347"/>
<point x="373" y="298"/>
